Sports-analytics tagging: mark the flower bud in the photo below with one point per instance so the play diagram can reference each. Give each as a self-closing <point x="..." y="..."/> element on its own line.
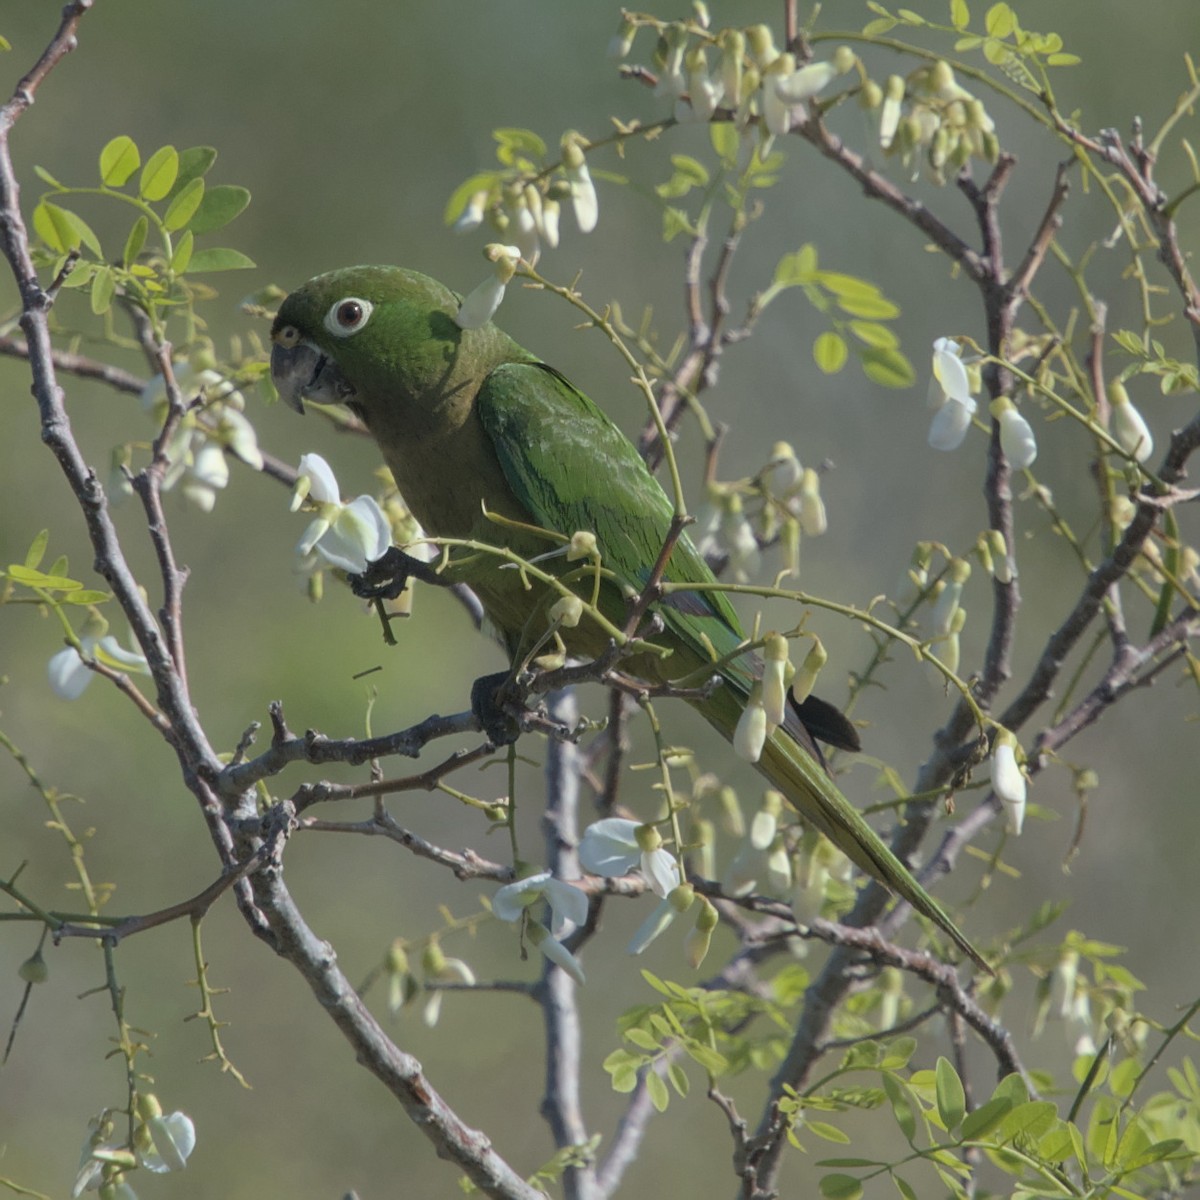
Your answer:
<point x="1007" y="780"/>
<point x="1001" y="563"/>
<point x="34" y="969"/>
<point x="1128" y="425"/>
<point x="774" y="687"/>
<point x="732" y="819"/>
<point x="812" y="508"/>
<point x="844" y="60"/>
<point x="566" y="611"/>
<point x="1016" y="434"/>
<point x="750" y="735"/>
<point x="699" y="940"/>
<point x="805" y="679"/>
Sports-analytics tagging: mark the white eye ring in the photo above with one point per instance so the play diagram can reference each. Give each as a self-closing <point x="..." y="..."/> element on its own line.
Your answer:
<point x="348" y="316"/>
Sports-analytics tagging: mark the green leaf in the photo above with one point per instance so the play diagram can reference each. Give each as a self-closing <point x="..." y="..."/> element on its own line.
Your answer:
<point x="484" y="181"/>
<point x="86" y="596"/>
<point x="37" y="549"/>
<point x="32" y="577"/>
<point x="1000" y="21"/>
<point x="512" y="143"/>
<point x="182" y="257"/>
<point x="219" y="206"/>
<point x="641" y="1039"/>
<point x="135" y="241"/>
<point x="830" y="352"/>
<point x="656" y="1089"/>
<point x="118" y="161"/>
<point x="159" y="174"/>
<point x="871" y="333"/>
<point x="219" y="259"/>
<point x="951" y="1099"/>
<point x="50" y="223"/>
<point x="194" y="163"/>
<point x="903" y="1105"/>
<point x="49" y="179"/>
<point x="711" y="1060"/>
<point x="904" y="1188"/>
<point x="690" y="168"/>
<point x="840" y="1187"/>
<point x="181" y="210"/>
<point x="985" y="1118"/>
<point x="888" y="368"/>
<point x="725" y="141"/>
<point x="831" y="1133"/>
<point x="104" y="287"/>
<point x="1032" y="1119"/>
<point x="678" y="1078"/>
<point x="909" y="17"/>
<point x="796" y="268"/>
<point x="1063" y="60"/>
<point x="870" y="304"/>
<point x="960" y="14"/>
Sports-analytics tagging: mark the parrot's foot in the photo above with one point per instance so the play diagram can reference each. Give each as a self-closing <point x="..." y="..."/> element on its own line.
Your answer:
<point x="388" y="576"/>
<point x="488" y="694"/>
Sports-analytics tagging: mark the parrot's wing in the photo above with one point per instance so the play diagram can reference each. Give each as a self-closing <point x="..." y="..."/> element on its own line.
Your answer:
<point x="573" y="469"/>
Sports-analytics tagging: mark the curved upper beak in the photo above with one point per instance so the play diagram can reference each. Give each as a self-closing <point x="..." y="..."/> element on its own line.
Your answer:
<point x="304" y="372"/>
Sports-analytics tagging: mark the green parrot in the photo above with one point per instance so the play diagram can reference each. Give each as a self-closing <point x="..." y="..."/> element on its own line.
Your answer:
<point x="489" y="444"/>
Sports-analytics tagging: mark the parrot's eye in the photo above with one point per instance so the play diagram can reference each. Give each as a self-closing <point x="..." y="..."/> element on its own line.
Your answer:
<point x="348" y="316"/>
<point x="286" y="336"/>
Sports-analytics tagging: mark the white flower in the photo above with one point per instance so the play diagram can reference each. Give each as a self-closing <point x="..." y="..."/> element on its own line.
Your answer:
<point x="480" y="306"/>
<point x="173" y="1138"/>
<point x="1016" y="436"/>
<point x="567" y="903"/>
<point x="346" y="536"/>
<point x="950" y="395"/>
<point x="471" y="216"/>
<point x="750" y="735"/>
<point x="812" y="508"/>
<point x="207" y="473"/>
<point x="889" y="113"/>
<point x="1128" y="425"/>
<point x="615" y="845"/>
<point x="68" y="673"/>
<point x="1007" y="780"/>
<point x="584" y="201"/>
<point x="235" y="432"/>
<point x="806" y="82"/>
<point x="738" y="535"/>
<point x="440" y="969"/>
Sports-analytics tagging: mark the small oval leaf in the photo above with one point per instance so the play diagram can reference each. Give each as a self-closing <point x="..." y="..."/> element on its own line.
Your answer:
<point x="219" y="206"/>
<point x="951" y="1098"/>
<point x="830" y="352"/>
<point x="181" y="210"/>
<point x="219" y="259"/>
<point x="182" y="257"/>
<point x="159" y="173"/>
<point x="135" y="241"/>
<point x="118" y="161"/>
<point x="103" y="289"/>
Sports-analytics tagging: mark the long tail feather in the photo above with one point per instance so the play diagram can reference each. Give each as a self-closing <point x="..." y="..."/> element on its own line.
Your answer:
<point x="807" y="787"/>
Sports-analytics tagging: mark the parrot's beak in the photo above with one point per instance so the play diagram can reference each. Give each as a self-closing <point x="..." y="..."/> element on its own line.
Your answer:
<point x="304" y="372"/>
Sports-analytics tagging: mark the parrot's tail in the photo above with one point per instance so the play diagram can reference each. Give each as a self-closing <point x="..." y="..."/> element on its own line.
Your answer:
<point x="808" y="788"/>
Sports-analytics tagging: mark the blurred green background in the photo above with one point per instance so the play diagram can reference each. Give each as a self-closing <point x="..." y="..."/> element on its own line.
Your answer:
<point x="351" y="124"/>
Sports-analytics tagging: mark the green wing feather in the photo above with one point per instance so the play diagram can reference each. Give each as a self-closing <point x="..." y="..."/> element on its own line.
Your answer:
<point x="573" y="469"/>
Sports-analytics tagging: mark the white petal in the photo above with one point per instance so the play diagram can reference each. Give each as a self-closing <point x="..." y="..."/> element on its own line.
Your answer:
<point x="949" y="370"/>
<point x="174" y="1138"/>
<point x="567" y="904"/>
<point x="209" y="467"/>
<point x="583" y="198"/>
<point x="561" y="957"/>
<point x="68" y="674"/>
<point x="609" y="847"/>
<point x="949" y="426"/>
<point x="1017" y="440"/>
<point x="662" y="916"/>
<point x="324" y="486"/>
<point x="514" y="898"/>
<point x="806" y="82"/>
<point x="751" y="733"/>
<point x="1009" y="785"/>
<point x="661" y="871"/>
<point x="1131" y="431"/>
<point x="112" y="654"/>
<point x="480" y="306"/>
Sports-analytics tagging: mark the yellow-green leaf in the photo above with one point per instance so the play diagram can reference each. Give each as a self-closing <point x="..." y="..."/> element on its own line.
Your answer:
<point x="840" y="1187"/>
<point x="656" y="1089"/>
<point x="483" y="181"/>
<point x="103" y="288"/>
<point x="37" y="549"/>
<point x="725" y="141"/>
<point x="888" y="368"/>
<point x="797" y="267"/>
<point x="960" y="14"/>
<point x="135" y="241"/>
<point x="118" y="161"/>
<point x="159" y="173"/>
<point x="194" y="162"/>
<point x="182" y="257"/>
<point x="830" y="352"/>
<point x="985" y="1118"/>
<point x="51" y="225"/>
<point x="219" y="259"/>
<point x="871" y="333"/>
<point x="1000" y="21"/>
<point x="181" y="210"/>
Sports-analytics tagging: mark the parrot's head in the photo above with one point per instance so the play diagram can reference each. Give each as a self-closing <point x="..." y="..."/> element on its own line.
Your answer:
<point x="372" y="338"/>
